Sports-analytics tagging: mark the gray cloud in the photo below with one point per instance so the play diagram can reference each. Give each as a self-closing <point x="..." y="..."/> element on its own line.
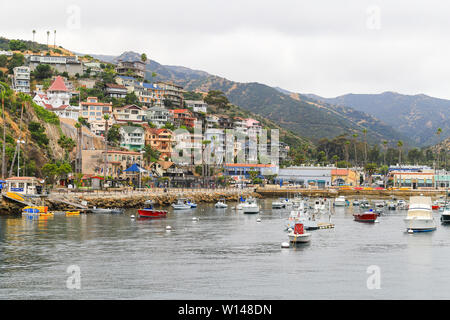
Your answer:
<point x="322" y="47"/>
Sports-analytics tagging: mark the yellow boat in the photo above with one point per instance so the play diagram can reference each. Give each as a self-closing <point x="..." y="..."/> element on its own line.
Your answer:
<point x="41" y="209"/>
<point x="47" y="214"/>
<point x="72" y="213"/>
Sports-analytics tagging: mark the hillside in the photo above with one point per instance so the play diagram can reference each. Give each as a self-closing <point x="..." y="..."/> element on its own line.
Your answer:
<point x="301" y="115"/>
<point x="39" y="129"/>
<point x="418" y="116"/>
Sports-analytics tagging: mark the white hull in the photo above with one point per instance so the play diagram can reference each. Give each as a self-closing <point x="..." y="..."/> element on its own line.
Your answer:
<point x="339" y="204"/>
<point x="420" y="224"/>
<point x="181" y="206"/>
<point x="299" y="238"/>
<point x="250" y="209"/>
<point x="221" y="205"/>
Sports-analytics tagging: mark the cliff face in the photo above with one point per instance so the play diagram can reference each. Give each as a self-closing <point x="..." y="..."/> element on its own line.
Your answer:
<point x="39" y="130"/>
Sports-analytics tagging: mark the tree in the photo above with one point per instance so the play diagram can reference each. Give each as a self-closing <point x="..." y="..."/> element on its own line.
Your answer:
<point x="355" y="136"/>
<point x="17" y="45"/>
<point x="16" y="60"/>
<point x="144" y="57"/>
<point x="438" y="133"/>
<point x="48" y="35"/>
<point x="3" y="61"/>
<point x="365" y="145"/>
<point x="370" y="169"/>
<point x="43" y="71"/>
<point x="67" y="144"/>
<point x="400" y="145"/>
<point x="150" y="154"/>
<point x="217" y="98"/>
<point x="114" y="136"/>
<point x="385" y="151"/>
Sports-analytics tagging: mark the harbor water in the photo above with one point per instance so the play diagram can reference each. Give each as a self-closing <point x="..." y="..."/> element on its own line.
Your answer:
<point x="225" y="254"/>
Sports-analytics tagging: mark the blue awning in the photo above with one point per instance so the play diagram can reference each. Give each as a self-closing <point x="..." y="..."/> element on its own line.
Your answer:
<point x="135" y="168"/>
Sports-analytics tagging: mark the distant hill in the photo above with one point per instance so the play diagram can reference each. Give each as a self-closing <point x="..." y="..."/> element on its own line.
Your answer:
<point x="299" y="113"/>
<point x="418" y="116"/>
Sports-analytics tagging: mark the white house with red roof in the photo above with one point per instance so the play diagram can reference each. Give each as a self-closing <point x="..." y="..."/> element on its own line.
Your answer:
<point x="57" y="99"/>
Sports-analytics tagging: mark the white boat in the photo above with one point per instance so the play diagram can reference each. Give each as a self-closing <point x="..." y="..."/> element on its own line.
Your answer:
<point x="420" y="215"/>
<point x="297" y="235"/>
<point x="300" y="214"/>
<point x="282" y="203"/>
<point x="181" y="204"/>
<point x="402" y="205"/>
<point x="250" y="206"/>
<point x="221" y="204"/>
<point x="364" y="204"/>
<point x="356" y="203"/>
<point x="340" y="201"/>
<point x="445" y="215"/>
<point x="379" y="203"/>
<point x="392" y="205"/>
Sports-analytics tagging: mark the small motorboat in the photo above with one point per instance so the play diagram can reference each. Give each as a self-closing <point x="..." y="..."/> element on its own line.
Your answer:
<point x="369" y="216"/>
<point x="364" y="204"/>
<point x="151" y="213"/>
<point x="181" y="204"/>
<point x="392" y="206"/>
<point x="298" y="235"/>
<point x="445" y="215"/>
<point x="34" y="210"/>
<point x="106" y="211"/>
<point x="46" y="214"/>
<point x="221" y="204"/>
<point x="72" y="213"/>
<point x="250" y="206"/>
<point x="420" y="215"/>
<point x="356" y="203"/>
<point x="282" y="203"/>
<point x="402" y="205"/>
<point x="340" y="201"/>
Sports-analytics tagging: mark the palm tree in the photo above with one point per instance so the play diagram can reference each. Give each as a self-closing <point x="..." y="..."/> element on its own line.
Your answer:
<point x="34" y="33"/>
<point x="144" y="57"/>
<point x="78" y="161"/>
<point x="48" y="35"/>
<point x="438" y="133"/>
<point x="355" y="136"/>
<point x="385" y="151"/>
<point x="347" y="144"/>
<point x="365" y="146"/>
<point x="400" y="145"/>
<point x="106" y="118"/>
<point x="54" y="39"/>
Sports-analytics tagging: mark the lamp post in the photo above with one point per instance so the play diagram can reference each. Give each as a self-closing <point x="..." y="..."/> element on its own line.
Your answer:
<point x="18" y="155"/>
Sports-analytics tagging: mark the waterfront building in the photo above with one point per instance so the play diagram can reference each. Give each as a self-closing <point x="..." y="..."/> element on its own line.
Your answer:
<point x="21" y="79"/>
<point x="172" y="92"/>
<point x="197" y="105"/>
<point x="158" y="116"/>
<point x="132" y="138"/>
<point x="128" y="68"/>
<point x="340" y="177"/>
<point x="413" y="180"/>
<point x="118" y="161"/>
<point x="126" y="81"/>
<point x="442" y="179"/>
<point x="183" y="117"/>
<point x="116" y="90"/>
<point x="149" y="94"/>
<point x="306" y="176"/>
<point x="160" y="140"/>
<point x="29" y="186"/>
<point x="92" y="110"/>
<point x="69" y="64"/>
<point x="241" y="170"/>
<point x="130" y="113"/>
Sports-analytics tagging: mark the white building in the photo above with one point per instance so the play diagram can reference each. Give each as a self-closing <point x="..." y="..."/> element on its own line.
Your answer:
<point x="158" y="116"/>
<point x="130" y="113"/>
<point x="21" y="79"/>
<point x="132" y="138"/>
<point x="197" y="105"/>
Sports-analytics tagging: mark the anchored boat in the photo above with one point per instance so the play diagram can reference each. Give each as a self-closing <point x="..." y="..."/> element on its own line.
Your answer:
<point x="250" y="206"/>
<point x="298" y="235"/>
<point x="181" y="204"/>
<point x="420" y="215"/>
<point x="368" y="216"/>
<point x="221" y="204"/>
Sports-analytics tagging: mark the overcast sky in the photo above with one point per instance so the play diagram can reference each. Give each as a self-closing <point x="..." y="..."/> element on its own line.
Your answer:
<point x="328" y="48"/>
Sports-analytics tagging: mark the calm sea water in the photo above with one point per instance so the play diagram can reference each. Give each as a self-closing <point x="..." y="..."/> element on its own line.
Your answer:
<point x="224" y="255"/>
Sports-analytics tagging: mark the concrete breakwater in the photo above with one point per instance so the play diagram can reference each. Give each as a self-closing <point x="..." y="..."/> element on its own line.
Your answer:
<point x="137" y="200"/>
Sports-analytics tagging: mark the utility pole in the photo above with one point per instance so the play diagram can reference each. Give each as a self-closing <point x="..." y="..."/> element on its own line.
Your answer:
<point x="2" y="91"/>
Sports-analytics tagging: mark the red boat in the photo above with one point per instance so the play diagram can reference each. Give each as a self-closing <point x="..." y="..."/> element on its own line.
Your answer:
<point x="151" y="213"/>
<point x="366" y="216"/>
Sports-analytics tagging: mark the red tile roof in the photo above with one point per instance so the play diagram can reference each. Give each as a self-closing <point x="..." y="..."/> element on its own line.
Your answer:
<point x="58" y="85"/>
